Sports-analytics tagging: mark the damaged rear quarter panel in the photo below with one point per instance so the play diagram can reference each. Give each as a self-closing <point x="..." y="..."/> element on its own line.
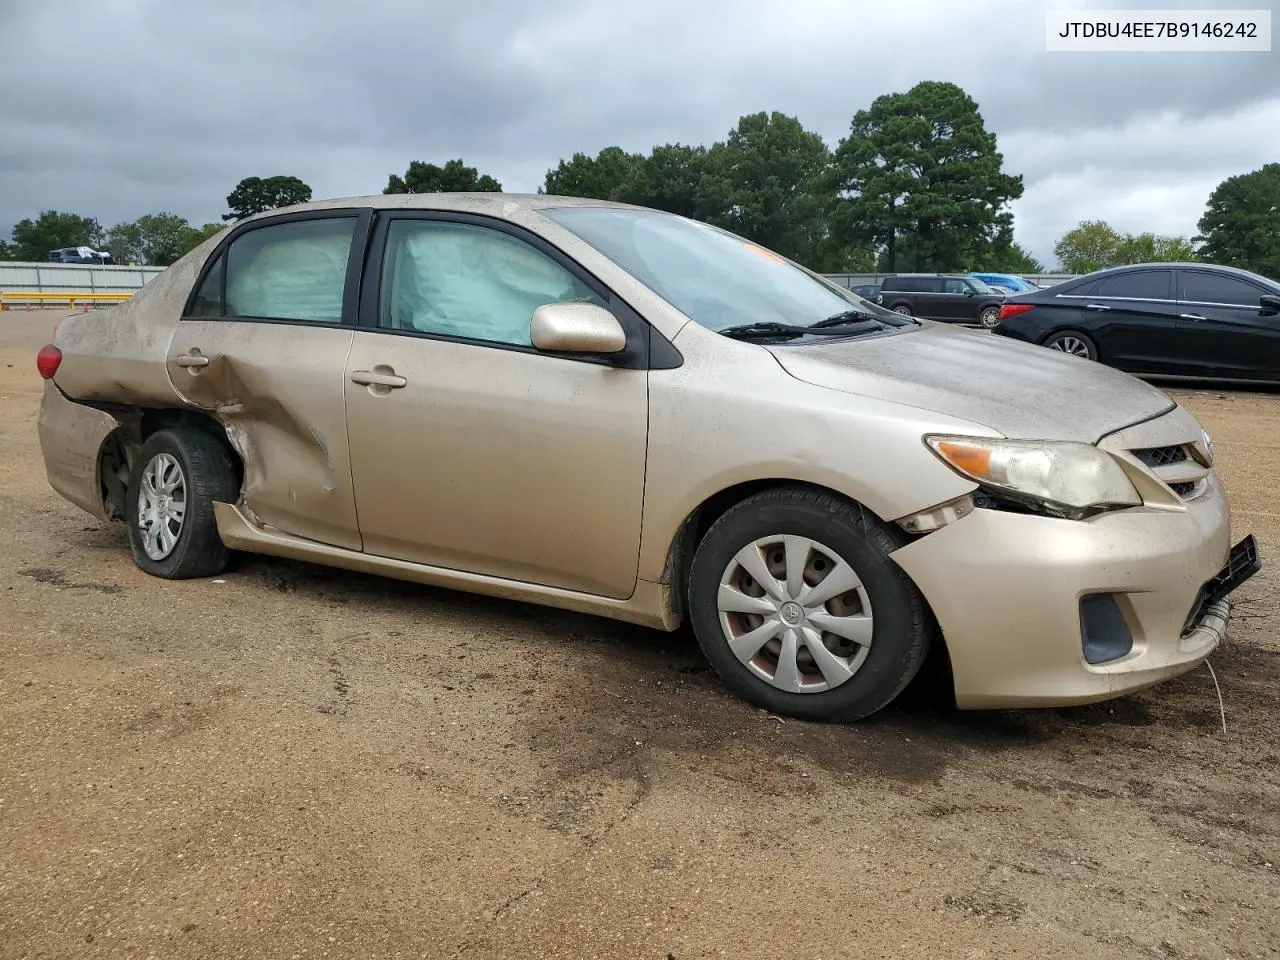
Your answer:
<point x="117" y="354"/>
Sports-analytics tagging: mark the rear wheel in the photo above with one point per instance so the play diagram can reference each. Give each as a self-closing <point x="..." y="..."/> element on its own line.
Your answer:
<point x="176" y="477"/>
<point x="797" y="605"/>
<point x="990" y="317"/>
<point x="1074" y="343"/>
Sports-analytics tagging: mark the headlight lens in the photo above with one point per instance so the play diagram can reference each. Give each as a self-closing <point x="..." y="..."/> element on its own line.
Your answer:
<point x="1070" y="479"/>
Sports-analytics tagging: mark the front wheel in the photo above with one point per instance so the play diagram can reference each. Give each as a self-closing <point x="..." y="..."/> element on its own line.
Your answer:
<point x="1076" y="344"/>
<point x="796" y="604"/>
<point x="902" y="309"/>
<point x="990" y="317"/>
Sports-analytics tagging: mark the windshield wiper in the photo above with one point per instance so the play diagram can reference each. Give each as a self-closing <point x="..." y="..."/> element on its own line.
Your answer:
<point x="763" y="331"/>
<point x="849" y="318"/>
<point x="841" y="324"/>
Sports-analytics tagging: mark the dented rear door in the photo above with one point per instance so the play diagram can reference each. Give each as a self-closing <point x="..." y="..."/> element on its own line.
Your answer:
<point x="262" y="347"/>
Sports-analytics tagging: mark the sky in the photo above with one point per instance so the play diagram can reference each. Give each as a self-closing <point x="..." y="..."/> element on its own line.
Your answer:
<point x="118" y="108"/>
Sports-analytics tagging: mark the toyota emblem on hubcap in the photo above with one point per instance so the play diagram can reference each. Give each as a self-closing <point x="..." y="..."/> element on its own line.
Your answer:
<point x="791" y="612"/>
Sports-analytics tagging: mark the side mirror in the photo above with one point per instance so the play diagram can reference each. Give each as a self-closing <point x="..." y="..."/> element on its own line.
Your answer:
<point x="970" y="292"/>
<point x="1268" y="304"/>
<point x="576" y="328"/>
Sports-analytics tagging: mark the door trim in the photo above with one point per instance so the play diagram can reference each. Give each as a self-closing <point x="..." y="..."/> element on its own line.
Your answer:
<point x="651" y="604"/>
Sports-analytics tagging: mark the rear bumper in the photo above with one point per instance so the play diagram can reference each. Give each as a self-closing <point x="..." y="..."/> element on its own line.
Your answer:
<point x="71" y="436"/>
<point x="1006" y="591"/>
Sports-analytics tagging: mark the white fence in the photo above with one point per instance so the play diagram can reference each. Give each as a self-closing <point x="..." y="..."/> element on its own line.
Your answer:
<point x="44" y="278"/>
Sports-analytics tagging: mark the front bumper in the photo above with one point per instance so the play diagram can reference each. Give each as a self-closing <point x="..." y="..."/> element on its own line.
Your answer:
<point x="1006" y="591"/>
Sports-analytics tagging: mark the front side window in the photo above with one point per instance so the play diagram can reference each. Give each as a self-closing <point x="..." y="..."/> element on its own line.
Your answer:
<point x="1201" y="287"/>
<point x="1142" y="285"/>
<point x="715" y="278"/>
<point x="474" y="282"/>
<point x="285" y="271"/>
<point x="952" y="285"/>
<point x="980" y="286"/>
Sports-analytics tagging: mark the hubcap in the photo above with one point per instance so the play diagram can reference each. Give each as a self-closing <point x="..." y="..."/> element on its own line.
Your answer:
<point x="1072" y="345"/>
<point x="162" y="505"/>
<point x="795" y="614"/>
<point x="990" y="318"/>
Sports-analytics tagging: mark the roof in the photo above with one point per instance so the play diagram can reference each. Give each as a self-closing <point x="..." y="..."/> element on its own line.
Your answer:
<point x="1183" y="265"/>
<point x="496" y="204"/>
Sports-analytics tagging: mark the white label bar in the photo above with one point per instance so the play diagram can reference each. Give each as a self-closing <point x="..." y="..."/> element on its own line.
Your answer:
<point x="1134" y="31"/>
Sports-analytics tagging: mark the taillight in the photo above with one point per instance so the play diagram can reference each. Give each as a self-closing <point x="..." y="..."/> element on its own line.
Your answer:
<point x="1008" y="310"/>
<point x="47" y="361"/>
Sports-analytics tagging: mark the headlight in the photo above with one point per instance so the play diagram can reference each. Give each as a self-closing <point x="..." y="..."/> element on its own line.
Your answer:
<point x="1064" y="478"/>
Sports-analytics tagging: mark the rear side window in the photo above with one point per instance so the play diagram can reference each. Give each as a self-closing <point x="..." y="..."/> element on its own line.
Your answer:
<point x="208" y="300"/>
<point x="907" y="284"/>
<point x="1141" y="285"/>
<point x="1217" y="288"/>
<point x="285" y="271"/>
<point x="1085" y="289"/>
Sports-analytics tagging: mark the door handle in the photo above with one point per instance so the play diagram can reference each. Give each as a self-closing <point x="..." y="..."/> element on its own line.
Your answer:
<point x="1096" y="306"/>
<point x="1190" y="316"/>
<point x="367" y="378"/>
<point x="192" y="360"/>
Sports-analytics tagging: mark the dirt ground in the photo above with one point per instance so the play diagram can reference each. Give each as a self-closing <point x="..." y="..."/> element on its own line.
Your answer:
<point x="292" y="761"/>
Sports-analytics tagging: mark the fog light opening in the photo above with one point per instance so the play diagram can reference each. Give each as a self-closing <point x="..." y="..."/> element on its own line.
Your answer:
<point x="1104" y="634"/>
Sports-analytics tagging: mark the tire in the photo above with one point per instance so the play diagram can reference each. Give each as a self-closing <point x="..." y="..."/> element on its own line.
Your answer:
<point x="903" y="309"/>
<point x="206" y="474"/>
<point x="989" y="317"/>
<point x="1074" y="343"/>
<point x="821" y="528"/>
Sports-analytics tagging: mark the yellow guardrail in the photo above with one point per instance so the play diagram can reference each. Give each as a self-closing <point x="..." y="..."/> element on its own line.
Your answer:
<point x="13" y="298"/>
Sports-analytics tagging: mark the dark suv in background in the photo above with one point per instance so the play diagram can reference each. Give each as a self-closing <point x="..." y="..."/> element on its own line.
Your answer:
<point x="951" y="299"/>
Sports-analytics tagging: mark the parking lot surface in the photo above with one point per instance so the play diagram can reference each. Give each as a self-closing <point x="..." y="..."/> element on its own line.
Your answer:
<point x="292" y="761"/>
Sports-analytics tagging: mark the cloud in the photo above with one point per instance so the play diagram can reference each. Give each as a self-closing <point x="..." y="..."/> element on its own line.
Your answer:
<point x="115" y="108"/>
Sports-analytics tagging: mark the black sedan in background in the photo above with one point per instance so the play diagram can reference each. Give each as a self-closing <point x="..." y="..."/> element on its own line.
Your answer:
<point x="1171" y="319"/>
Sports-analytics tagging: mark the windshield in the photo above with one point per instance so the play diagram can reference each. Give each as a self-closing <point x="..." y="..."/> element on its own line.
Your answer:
<point x="715" y="278"/>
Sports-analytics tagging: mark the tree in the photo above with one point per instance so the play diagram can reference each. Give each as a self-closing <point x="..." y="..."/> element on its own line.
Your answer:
<point x="1241" y="223"/>
<point x="124" y="243"/>
<point x="194" y="236"/>
<point x="164" y="237"/>
<point x="669" y="179"/>
<point x="923" y="163"/>
<point x="1006" y="256"/>
<point x="1094" y="245"/>
<point x="603" y="177"/>
<point x="51" y="230"/>
<point x="1091" y="245"/>
<point x="1152" y="248"/>
<point x="6" y="250"/>
<point x="454" y="177"/>
<point x="256" y="195"/>
<point x="157" y="239"/>
<point x="770" y="182"/>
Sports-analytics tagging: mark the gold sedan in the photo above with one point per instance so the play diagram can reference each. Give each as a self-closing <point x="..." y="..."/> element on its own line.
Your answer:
<point x="624" y="412"/>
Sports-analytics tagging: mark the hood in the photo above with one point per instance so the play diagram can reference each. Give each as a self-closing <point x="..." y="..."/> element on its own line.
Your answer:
<point x="1023" y="391"/>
